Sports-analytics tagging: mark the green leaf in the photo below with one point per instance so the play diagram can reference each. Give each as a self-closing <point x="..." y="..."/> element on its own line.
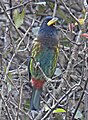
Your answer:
<point x="41" y="9"/>
<point x="7" y="79"/>
<point x="63" y="16"/>
<point x="59" y="110"/>
<point x="4" y="68"/>
<point x="9" y="74"/>
<point x="19" y="17"/>
<point x="27" y="104"/>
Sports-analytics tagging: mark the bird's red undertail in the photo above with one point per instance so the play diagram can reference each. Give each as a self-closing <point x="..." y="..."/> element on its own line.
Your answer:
<point x="37" y="83"/>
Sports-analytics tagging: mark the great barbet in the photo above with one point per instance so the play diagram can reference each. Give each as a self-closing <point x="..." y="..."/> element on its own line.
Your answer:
<point x="45" y="52"/>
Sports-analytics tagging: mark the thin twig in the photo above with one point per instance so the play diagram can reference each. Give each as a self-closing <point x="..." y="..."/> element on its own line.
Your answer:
<point x="55" y="8"/>
<point x="9" y="64"/>
<point x="57" y="103"/>
<point x="3" y="7"/>
<point x="85" y="85"/>
<point x="70" y="12"/>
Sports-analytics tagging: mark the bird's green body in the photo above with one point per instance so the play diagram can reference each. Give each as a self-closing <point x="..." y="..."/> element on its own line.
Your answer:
<point x="47" y="58"/>
<point x="45" y="51"/>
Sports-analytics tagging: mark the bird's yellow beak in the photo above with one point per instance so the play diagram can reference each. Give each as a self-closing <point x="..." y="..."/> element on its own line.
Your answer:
<point x="52" y="21"/>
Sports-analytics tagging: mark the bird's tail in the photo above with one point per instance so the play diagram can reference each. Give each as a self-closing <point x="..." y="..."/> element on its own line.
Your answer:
<point x="35" y="99"/>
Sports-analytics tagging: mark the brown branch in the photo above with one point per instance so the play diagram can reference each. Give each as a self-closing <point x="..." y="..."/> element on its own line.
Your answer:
<point x="16" y="51"/>
<point x="57" y="103"/>
<point x="15" y="7"/>
<point x="3" y="7"/>
<point x="6" y="108"/>
<point x="85" y="76"/>
<point x="20" y="97"/>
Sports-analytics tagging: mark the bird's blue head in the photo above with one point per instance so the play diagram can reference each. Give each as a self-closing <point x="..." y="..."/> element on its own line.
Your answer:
<point x="48" y="33"/>
<point x="47" y="27"/>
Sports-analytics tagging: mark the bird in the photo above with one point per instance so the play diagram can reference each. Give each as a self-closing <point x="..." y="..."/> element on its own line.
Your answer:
<point x="45" y="51"/>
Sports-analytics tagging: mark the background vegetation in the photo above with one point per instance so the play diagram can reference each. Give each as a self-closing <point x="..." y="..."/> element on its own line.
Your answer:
<point x="65" y="97"/>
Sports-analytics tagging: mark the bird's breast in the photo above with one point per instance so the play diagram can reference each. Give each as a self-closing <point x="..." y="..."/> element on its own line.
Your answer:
<point x="47" y="58"/>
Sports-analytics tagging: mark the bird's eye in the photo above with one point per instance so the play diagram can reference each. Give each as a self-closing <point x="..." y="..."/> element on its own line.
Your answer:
<point x="46" y="21"/>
